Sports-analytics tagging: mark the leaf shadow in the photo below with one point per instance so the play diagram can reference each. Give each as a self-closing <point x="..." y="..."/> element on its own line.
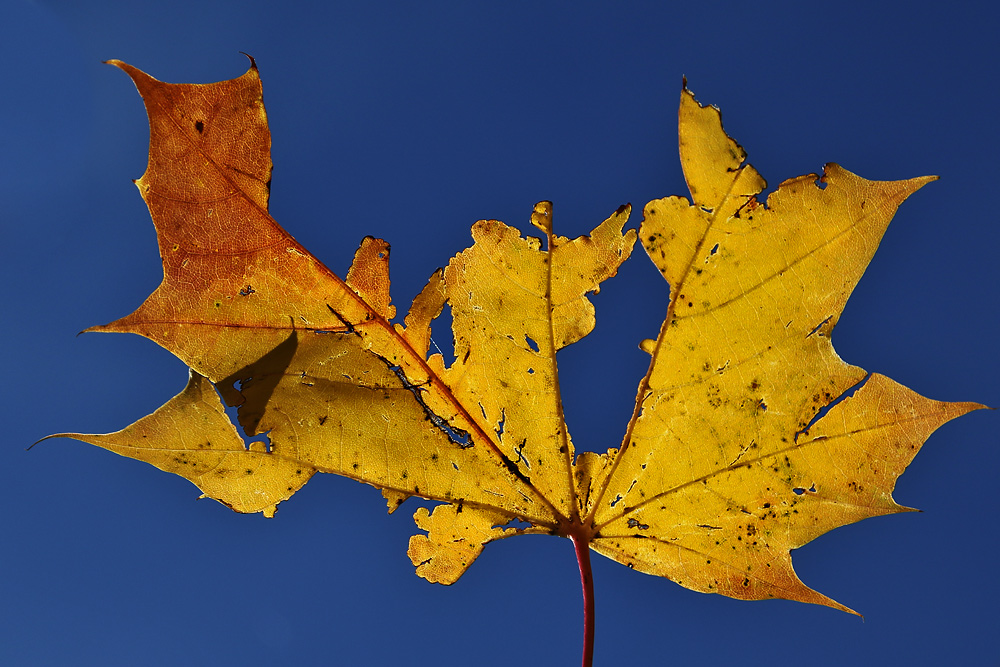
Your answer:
<point x="251" y="387"/>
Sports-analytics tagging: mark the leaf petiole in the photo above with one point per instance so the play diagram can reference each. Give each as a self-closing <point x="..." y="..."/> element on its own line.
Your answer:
<point x="581" y="544"/>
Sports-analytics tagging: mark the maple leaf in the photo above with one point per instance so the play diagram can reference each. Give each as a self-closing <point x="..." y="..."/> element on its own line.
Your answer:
<point x="750" y="436"/>
<point x="729" y="461"/>
<point x="192" y="436"/>
<point x="313" y="360"/>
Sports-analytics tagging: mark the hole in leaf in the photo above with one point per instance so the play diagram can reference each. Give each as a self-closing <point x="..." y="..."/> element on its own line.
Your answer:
<point x="519" y="450"/>
<point x="826" y="408"/>
<point x="459" y="436"/>
<point x="531" y="343"/>
<point x="447" y="352"/>
<point x="820" y="326"/>
<point x="714" y="249"/>
<point x="503" y="419"/>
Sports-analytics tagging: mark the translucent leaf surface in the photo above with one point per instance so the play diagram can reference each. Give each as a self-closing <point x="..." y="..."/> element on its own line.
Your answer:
<point x="750" y="436"/>
<point x="191" y="436"/>
<point x="723" y="470"/>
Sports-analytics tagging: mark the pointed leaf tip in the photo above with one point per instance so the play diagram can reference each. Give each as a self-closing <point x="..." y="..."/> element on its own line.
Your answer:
<point x="208" y="451"/>
<point x="253" y="62"/>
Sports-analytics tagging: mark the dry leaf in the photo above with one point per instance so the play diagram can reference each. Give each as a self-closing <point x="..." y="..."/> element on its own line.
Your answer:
<point x="742" y="445"/>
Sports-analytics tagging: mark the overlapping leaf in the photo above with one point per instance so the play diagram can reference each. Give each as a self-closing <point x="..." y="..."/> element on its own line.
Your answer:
<point x="192" y="436"/>
<point x="726" y="464"/>
<point x="313" y="360"/>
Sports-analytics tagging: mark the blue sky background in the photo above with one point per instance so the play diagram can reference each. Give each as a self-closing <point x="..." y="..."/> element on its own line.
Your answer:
<point x="411" y="121"/>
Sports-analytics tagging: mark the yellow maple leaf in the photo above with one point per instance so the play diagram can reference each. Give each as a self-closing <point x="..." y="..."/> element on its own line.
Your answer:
<point x="728" y="462"/>
<point x="192" y="436"/>
<point x="723" y="471"/>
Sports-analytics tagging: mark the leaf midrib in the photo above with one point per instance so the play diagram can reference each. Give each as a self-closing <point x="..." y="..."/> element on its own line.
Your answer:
<point x="643" y="391"/>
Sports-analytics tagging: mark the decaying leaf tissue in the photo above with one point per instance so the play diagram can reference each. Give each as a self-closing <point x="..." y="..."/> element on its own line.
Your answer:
<point x="733" y="455"/>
